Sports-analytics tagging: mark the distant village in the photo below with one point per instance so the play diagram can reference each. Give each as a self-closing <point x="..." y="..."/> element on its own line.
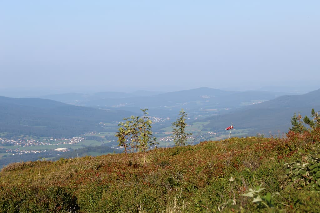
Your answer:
<point x="32" y="142"/>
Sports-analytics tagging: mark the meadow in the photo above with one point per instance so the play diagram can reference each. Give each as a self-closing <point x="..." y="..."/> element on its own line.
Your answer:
<point x="238" y="174"/>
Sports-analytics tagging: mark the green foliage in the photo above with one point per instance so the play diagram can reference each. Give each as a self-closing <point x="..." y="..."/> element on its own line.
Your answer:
<point x="37" y="199"/>
<point x="262" y="201"/>
<point x="180" y="135"/>
<point x="304" y="174"/>
<point x="135" y="134"/>
<point x="299" y="124"/>
<point x="145" y="132"/>
<point x="315" y="121"/>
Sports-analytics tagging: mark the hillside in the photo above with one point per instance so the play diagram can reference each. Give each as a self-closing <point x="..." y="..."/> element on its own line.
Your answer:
<point x="270" y="116"/>
<point x="240" y="174"/>
<point x="47" y="118"/>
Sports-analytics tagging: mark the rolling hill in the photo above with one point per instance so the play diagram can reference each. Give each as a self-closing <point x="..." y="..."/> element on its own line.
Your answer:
<point x="81" y="99"/>
<point x="270" y="116"/>
<point x="47" y="118"/>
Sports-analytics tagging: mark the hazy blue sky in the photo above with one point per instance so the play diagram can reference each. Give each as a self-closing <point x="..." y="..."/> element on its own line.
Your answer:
<point x="75" y="45"/>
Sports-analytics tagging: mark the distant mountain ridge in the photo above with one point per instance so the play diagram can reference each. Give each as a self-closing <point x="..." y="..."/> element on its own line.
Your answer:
<point x="270" y="116"/>
<point x="41" y="117"/>
<point x="165" y="104"/>
<point x="80" y="98"/>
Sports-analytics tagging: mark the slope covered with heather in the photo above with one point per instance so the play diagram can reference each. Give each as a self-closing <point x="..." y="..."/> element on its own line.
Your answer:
<point x="278" y="174"/>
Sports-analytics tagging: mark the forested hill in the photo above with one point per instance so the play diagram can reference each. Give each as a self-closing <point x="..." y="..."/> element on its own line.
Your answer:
<point x="270" y="116"/>
<point x="47" y="118"/>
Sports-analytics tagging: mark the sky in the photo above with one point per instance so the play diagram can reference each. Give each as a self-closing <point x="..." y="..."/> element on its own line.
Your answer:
<point x="127" y="45"/>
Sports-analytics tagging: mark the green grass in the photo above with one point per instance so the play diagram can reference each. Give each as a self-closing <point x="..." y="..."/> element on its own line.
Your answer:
<point x="197" y="126"/>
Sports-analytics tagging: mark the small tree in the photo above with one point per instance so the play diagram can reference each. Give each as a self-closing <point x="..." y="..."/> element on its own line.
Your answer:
<point x="123" y="134"/>
<point x="297" y="124"/>
<point x="135" y="133"/>
<point x="145" y="133"/>
<point x="314" y="122"/>
<point x="179" y="134"/>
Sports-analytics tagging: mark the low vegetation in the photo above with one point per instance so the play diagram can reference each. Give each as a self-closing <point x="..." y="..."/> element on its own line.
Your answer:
<point x="252" y="174"/>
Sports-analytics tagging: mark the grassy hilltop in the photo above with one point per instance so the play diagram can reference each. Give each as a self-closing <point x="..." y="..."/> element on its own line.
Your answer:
<point x="238" y="174"/>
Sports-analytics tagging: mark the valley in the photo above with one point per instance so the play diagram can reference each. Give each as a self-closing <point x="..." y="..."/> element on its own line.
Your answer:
<point x="34" y="128"/>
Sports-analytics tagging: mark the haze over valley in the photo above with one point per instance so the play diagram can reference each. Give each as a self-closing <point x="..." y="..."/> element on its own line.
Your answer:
<point x="34" y="128"/>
